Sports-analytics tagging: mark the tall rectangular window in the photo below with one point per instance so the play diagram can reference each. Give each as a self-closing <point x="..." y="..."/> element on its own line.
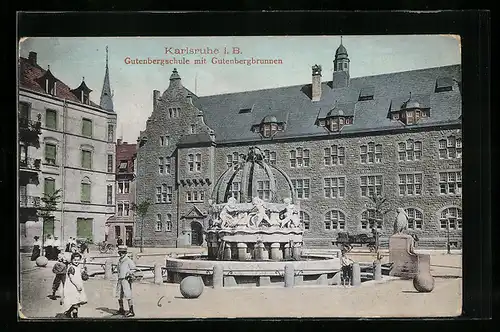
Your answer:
<point x="126" y="208"/>
<point x="110" y="163"/>
<point x="235" y="190"/>
<point x="301" y="187"/>
<point x="50" y="154"/>
<point x="334" y="155"/>
<point x="198" y="162"/>
<point x="193" y="129"/>
<point x="160" y="165"/>
<point x="49" y="186"/>
<point x="86" y="159"/>
<point x="85" y="194"/>
<point x="51" y="119"/>
<point x="120" y="209"/>
<point x="109" y="194"/>
<point x="263" y="190"/>
<point x="410" y="184"/>
<point x="191" y="162"/>
<point x="299" y="158"/>
<point x="159" y="224"/>
<point x="164" y="194"/>
<point x="87" y="127"/>
<point x="111" y="133"/>
<point x="168" y="225"/>
<point x="168" y="166"/>
<point x="123" y="187"/>
<point x="270" y="157"/>
<point x="371" y="153"/>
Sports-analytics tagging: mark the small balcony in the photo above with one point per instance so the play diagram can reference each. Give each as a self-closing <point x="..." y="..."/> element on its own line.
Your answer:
<point x="29" y="131"/>
<point x="30" y="164"/>
<point x="26" y="201"/>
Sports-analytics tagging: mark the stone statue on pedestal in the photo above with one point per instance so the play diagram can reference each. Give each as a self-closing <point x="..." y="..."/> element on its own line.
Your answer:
<point x="291" y="217"/>
<point x="401" y="223"/>
<point x="258" y="215"/>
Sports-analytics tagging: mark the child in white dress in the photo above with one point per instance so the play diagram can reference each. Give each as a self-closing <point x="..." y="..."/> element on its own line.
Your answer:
<point x="74" y="294"/>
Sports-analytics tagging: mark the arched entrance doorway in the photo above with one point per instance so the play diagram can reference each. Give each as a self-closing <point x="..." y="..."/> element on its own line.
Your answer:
<point x="196" y="233"/>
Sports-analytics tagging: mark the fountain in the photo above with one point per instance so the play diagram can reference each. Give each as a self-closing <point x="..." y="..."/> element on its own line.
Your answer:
<point x="250" y="238"/>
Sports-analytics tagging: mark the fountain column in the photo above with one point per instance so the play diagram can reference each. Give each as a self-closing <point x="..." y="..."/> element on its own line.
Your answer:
<point x="296" y="251"/>
<point x="227" y="251"/>
<point x="276" y="254"/>
<point x="242" y="251"/>
<point x="287" y="253"/>
<point x="259" y="251"/>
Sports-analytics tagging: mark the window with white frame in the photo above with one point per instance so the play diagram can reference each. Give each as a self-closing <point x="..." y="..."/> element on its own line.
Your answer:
<point x="450" y="148"/>
<point x="450" y="183"/>
<point x="123" y="209"/>
<point x="235" y="190"/>
<point x="410" y="184"/>
<point x="301" y="187"/>
<point x="164" y="140"/>
<point x="110" y="163"/>
<point x="371" y="219"/>
<point x="173" y="112"/>
<point x="120" y="209"/>
<point x="299" y="158"/>
<point x="334" y="220"/>
<point x="123" y="187"/>
<point x="451" y="216"/>
<point x="371" y="185"/>
<point x="270" y="157"/>
<point x="159" y="223"/>
<point x="334" y="187"/>
<point x="234" y="159"/>
<point x="168" y="223"/>
<point x="109" y="194"/>
<point x="410" y="150"/>
<point x="334" y="155"/>
<point x="161" y="165"/>
<point x="371" y="153"/>
<point x="264" y="189"/>
<point x="164" y="194"/>
<point x="194" y="162"/>
<point x="195" y="196"/>
<point x="111" y="133"/>
<point x="414" y="218"/>
<point x="168" y="165"/>
<point x="305" y="220"/>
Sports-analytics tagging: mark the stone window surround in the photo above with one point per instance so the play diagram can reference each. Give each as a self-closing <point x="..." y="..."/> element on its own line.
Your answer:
<point x="450" y="147"/>
<point x="334" y="155"/>
<point x="336" y="191"/>
<point x="264" y="189"/>
<point x="164" y="140"/>
<point x="305" y="219"/>
<point x="159" y="223"/>
<point x="51" y="110"/>
<point x="456" y="179"/>
<point x="87" y="120"/>
<point x="334" y="223"/>
<point x="413" y="185"/>
<point x="53" y="142"/>
<point x="304" y="190"/>
<point x="300" y="157"/>
<point x="194" y="162"/>
<point x="168" y="223"/>
<point x="455" y="221"/>
<point x="412" y="150"/>
<point x="270" y="157"/>
<point x="370" y="155"/>
<point x="191" y="194"/>
<point x="164" y="194"/>
<point x="87" y="148"/>
<point x="109" y="194"/>
<point x="111" y="132"/>
<point x="86" y="181"/>
<point x="125" y="187"/>
<point x="124" y="212"/>
<point x="364" y="219"/>
<point x="110" y="163"/>
<point x="233" y="159"/>
<point x="414" y="222"/>
<point x="374" y="185"/>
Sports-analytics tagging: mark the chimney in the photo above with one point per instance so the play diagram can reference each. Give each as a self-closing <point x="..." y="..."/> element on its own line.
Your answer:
<point x="119" y="141"/>
<point x="32" y="58"/>
<point x="156" y="96"/>
<point x="316" y="83"/>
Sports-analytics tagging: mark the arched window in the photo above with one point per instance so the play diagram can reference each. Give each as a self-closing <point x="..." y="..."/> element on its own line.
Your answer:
<point x="414" y="218"/>
<point x="168" y="226"/>
<point x="370" y="219"/>
<point x="451" y="216"/>
<point x="305" y="219"/>
<point x="334" y="219"/>
<point x="159" y="224"/>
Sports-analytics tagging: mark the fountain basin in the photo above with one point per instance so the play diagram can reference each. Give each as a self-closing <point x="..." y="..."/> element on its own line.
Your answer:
<point x="309" y="270"/>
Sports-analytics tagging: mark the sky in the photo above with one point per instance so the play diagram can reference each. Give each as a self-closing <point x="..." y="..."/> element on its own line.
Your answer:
<point x="71" y="59"/>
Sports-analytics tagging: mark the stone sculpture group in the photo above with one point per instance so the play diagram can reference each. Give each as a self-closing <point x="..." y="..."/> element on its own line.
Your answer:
<point x="258" y="214"/>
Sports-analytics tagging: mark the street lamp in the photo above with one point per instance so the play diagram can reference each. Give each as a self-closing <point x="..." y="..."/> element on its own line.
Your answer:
<point x="448" y="233"/>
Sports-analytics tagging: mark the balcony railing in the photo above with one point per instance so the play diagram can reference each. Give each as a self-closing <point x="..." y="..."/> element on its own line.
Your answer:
<point x="30" y="163"/>
<point x="29" y="201"/>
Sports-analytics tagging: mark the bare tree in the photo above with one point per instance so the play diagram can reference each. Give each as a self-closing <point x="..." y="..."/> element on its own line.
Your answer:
<point x="141" y="209"/>
<point x="46" y="211"/>
<point x="380" y="205"/>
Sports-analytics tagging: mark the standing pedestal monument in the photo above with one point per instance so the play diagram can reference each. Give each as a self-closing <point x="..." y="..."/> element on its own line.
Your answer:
<point x="406" y="263"/>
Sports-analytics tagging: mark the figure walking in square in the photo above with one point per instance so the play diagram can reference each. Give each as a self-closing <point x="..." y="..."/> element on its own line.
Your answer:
<point x="60" y="269"/>
<point x="37" y="245"/>
<point x="126" y="269"/>
<point x="74" y="294"/>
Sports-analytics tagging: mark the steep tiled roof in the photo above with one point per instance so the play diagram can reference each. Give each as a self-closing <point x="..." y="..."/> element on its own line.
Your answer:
<point x="222" y="112"/>
<point x="28" y="79"/>
<point x="125" y="151"/>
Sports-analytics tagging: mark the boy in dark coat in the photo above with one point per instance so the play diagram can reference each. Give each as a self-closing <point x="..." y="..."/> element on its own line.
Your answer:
<point x="59" y="269"/>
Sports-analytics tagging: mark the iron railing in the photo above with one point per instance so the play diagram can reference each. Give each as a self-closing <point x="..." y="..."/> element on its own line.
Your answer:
<point x="30" y="163"/>
<point x="29" y="201"/>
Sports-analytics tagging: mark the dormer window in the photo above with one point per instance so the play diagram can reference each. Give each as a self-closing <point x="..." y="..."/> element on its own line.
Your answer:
<point x="48" y="82"/>
<point x="444" y="84"/>
<point x="123" y="166"/>
<point x="366" y="93"/>
<point x="50" y="87"/>
<point x="83" y="93"/>
<point x="269" y="126"/>
<point x="335" y="123"/>
<point x="410" y="112"/>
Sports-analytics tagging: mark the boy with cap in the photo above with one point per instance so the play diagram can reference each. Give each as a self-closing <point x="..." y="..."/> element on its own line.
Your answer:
<point x="59" y="269"/>
<point x="126" y="269"/>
